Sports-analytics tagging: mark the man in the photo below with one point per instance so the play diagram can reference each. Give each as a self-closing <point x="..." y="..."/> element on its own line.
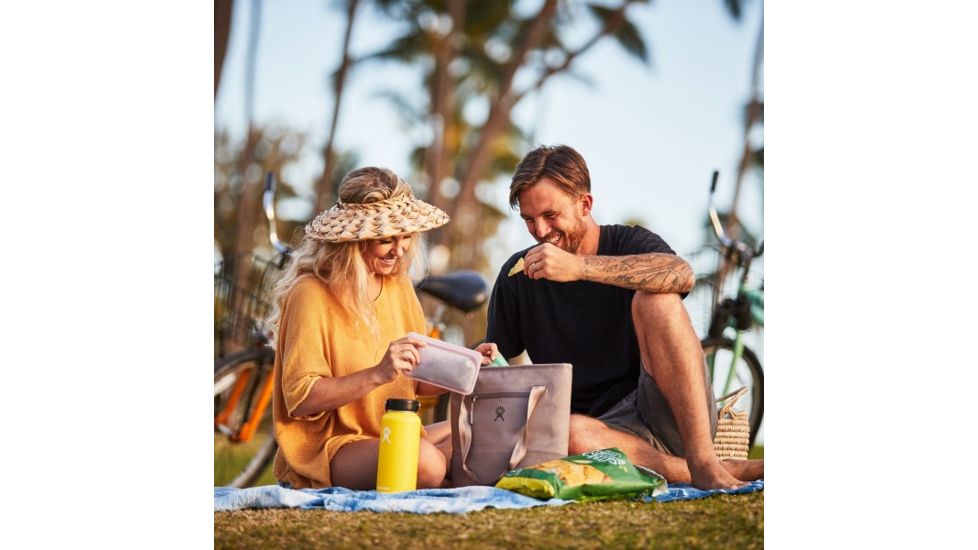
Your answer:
<point x="608" y="299"/>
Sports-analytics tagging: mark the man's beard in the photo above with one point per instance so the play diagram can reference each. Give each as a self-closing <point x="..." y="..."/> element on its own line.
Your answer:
<point x="570" y="240"/>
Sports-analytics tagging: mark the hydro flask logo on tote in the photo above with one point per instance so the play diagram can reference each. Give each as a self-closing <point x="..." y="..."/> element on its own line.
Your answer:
<point x="499" y="414"/>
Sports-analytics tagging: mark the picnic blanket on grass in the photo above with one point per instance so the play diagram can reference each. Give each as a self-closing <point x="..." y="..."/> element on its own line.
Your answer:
<point x="681" y="491"/>
<point x="424" y="501"/>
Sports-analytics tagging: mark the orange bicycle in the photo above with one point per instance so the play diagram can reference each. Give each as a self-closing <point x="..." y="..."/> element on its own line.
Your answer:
<point x="244" y="441"/>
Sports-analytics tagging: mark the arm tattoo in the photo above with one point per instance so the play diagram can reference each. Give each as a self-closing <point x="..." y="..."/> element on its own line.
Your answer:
<point x="653" y="272"/>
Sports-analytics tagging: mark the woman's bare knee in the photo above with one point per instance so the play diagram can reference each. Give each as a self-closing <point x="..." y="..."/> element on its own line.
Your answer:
<point x="431" y="466"/>
<point x="438" y="432"/>
<point x="355" y="465"/>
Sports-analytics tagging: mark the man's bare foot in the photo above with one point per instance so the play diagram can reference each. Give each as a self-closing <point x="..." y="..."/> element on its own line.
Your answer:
<point x="745" y="470"/>
<point x="711" y="474"/>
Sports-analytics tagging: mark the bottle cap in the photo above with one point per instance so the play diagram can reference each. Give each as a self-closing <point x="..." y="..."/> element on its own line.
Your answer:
<point x="402" y="405"/>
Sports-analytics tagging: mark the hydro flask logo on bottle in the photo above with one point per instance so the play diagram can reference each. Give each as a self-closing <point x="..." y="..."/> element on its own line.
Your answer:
<point x="499" y="414"/>
<point x="387" y="435"/>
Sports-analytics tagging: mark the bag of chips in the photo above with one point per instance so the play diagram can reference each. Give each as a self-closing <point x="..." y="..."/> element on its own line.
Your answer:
<point x="597" y="475"/>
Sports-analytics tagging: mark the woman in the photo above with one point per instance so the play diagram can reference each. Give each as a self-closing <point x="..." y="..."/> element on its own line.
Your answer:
<point x="340" y="314"/>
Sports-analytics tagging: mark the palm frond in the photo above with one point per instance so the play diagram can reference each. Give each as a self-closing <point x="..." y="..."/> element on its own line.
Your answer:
<point x="734" y="8"/>
<point x="630" y="39"/>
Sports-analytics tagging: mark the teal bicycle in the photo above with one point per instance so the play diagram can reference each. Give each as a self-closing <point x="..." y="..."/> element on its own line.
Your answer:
<point x="730" y="362"/>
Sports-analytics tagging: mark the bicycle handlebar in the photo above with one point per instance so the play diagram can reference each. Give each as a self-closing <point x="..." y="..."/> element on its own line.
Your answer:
<point x="714" y="217"/>
<point x="726" y="241"/>
<point x="268" y="204"/>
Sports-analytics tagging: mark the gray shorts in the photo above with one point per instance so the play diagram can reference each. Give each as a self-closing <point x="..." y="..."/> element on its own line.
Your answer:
<point x="646" y="414"/>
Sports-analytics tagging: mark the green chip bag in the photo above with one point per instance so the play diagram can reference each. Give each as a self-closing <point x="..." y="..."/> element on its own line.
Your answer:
<point x="598" y="475"/>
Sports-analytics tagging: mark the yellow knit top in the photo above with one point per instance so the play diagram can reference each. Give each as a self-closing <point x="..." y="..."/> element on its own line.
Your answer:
<point x="315" y="340"/>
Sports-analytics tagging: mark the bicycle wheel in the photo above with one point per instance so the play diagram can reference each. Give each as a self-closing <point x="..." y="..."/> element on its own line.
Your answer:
<point x="747" y="372"/>
<point x="238" y="382"/>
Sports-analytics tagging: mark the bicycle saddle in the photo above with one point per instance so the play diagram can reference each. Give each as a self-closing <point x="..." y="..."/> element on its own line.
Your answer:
<point x="464" y="290"/>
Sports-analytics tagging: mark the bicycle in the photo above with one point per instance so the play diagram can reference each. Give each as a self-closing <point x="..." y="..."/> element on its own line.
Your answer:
<point x="728" y="358"/>
<point x="244" y="443"/>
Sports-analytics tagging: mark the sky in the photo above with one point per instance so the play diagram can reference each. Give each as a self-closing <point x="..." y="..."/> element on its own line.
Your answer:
<point x="651" y="135"/>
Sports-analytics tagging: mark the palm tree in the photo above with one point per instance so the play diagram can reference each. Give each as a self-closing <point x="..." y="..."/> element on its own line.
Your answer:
<point x="476" y="33"/>
<point x="539" y="33"/>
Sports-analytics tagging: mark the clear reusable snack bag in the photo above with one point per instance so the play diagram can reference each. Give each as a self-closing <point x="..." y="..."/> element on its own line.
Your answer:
<point x="445" y="365"/>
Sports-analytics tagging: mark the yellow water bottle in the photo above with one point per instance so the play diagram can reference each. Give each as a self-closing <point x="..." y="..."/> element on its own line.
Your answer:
<point x="400" y="441"/>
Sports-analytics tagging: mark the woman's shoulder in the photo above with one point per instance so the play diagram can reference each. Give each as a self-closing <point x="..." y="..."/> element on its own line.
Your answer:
<point x="308" y="289"/>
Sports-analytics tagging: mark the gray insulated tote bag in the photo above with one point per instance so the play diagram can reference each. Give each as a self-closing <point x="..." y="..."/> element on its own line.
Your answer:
<point x="516" y="416"/>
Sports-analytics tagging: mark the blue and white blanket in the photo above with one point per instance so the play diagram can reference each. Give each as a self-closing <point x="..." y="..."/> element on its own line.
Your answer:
<point x="424" y="501"/>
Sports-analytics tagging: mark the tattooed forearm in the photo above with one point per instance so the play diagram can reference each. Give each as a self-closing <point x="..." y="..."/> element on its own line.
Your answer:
<point x="654" y="272"/>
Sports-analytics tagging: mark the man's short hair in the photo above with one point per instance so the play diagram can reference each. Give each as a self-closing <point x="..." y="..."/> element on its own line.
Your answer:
<point x="562" y="164"/>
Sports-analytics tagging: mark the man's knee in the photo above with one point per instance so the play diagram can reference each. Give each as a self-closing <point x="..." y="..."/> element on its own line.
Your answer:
<point x="584" y="433"/>
<point x="431" y="466"/>
<point x="661" y="322"/>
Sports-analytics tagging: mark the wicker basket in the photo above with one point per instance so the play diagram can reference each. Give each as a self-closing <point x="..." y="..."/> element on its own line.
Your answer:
<point x="733" y="429"/>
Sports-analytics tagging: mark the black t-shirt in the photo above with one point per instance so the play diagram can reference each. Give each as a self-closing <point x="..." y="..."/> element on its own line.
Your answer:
<point x="586" y="324"/>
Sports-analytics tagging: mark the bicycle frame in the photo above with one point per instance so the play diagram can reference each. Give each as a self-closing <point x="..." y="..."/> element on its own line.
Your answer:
<point x="247" y="429"/>
<point x="754" y="302"/>
<point x="747" y="308"/>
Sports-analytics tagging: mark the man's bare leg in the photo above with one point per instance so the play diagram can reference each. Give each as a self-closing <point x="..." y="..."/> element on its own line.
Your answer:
<point x="672" y="356"/>
<point x="589" y="434"/>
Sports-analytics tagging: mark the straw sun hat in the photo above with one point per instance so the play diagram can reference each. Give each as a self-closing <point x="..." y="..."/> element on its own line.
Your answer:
<point x="347" y="222"/>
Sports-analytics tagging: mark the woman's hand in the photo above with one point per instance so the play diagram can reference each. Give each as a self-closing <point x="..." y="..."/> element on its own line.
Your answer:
<point x="489" y="352"/>
<point x="401" y="357"/>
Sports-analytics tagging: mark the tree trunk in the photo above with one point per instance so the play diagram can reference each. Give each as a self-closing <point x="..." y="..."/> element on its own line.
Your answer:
<point x="439" y="157"/>
<point x="222" y="32"/>
<point x="324" y="192"/>
<point x="752" y="117"/>
<point x="247" y="199"/>
<point x="247" y="203"/>
<point x="434" y="156"/>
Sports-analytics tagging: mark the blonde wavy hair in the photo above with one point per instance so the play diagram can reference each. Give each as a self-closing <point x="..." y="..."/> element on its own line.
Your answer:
<point x="340" y="266"/>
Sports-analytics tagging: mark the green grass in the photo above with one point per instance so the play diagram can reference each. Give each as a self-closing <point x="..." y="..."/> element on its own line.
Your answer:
<point x="727" y="521"/>
<point x="230" y="459"/>
<point x="757" y="451"/>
